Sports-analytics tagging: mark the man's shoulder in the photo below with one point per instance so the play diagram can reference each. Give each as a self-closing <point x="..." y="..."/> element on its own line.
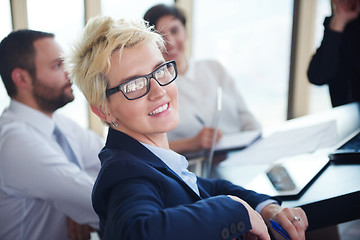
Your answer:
<point x="59" y="117"/>
<point x="9" y="123"/>
<point x="67" y="125"/>
<point x="17" y="138"/>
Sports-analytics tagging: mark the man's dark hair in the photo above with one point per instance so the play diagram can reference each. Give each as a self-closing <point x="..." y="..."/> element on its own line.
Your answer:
<point x="17" y="51"/>
<point x="158" y="11"/>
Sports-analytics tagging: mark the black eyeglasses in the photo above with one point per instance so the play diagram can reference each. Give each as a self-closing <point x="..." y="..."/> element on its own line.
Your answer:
<point x="138" y="87"/>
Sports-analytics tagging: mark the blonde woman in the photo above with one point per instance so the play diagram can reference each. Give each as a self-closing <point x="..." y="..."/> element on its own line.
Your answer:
<point x="144" y="190"/>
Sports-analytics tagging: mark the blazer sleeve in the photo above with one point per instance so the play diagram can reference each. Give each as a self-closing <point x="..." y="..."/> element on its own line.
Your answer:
<point x="222" y="187"/>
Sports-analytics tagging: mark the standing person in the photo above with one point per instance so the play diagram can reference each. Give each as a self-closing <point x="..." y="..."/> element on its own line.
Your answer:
<point x="144" y="190"/>
<point x="337" y="60"/>
<point x="197" y="85"/>
<point x="45" y="189"/>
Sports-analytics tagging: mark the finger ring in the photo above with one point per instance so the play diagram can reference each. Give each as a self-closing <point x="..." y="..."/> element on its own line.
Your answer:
<point x="295" y="219"/>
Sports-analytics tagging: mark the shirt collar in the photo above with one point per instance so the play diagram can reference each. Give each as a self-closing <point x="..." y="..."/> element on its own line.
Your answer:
<point x="173" y="160"/>
<point x="177" y="163"/>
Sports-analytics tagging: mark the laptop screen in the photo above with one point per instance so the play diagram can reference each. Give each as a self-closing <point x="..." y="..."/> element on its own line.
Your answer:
<point x="216" y="119"/>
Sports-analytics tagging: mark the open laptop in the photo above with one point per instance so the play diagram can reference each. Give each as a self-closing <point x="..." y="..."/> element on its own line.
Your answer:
<point x="348" y="152"/>
<point x="284" y="163"/>
<point x="259" y="168"/>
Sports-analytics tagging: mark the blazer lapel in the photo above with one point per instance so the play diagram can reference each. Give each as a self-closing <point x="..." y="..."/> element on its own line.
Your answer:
<point x="168" y="172"/>
<point x="119" y="140"/>
<point x="203" y="193"/>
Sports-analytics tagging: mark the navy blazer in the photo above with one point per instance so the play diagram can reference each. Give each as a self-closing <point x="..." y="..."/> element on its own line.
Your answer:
<point x="137" y="196"/>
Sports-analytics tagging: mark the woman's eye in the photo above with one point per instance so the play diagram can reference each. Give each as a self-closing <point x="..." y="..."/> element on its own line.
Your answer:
<point x="160" y="73"/>
<point x="133" y="86"/>
<point x="59" y="64"/>
<point x="174" y="31"/>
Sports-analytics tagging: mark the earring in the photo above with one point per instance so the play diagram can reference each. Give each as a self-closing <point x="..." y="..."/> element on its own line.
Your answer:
<point x="114" y="124"/>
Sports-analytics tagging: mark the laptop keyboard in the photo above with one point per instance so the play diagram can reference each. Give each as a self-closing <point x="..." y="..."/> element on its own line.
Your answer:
<point x="353" y="144"/>
<point x="349" y="153"/>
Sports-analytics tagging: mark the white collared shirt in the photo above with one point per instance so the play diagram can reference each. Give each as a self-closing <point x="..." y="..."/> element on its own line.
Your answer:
<point x="197" y="96"/>
<point x="39" y="187"/>
<point x="177" y="163"/>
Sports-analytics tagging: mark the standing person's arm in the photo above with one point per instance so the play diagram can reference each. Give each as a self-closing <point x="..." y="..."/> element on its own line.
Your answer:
<point x="344" y="12"/>
<point x="325" y="63"/>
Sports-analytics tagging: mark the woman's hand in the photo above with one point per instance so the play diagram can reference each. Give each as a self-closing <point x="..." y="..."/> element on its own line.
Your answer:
<point x="203" y="140"/>
<point x="345" y="11"/>
<point x="78" y="231"/>
<point x="292" y="220"/>
<point x="259" y="229"/>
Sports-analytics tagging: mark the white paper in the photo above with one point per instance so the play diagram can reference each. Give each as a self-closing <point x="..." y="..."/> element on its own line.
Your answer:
<point x="237" y="140"/>
<point x="286" y="143"/>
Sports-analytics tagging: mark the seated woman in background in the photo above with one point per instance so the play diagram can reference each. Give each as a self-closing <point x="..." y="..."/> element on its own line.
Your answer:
<point x="197" y="85"/>
<point x="144" y="190"/>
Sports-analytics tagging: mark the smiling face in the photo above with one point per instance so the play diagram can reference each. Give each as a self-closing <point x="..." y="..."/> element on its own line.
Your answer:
<point x="150" y="116"/>
<point x="175" y="37"/>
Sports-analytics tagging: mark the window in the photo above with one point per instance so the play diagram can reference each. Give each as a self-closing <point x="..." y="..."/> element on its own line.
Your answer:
<point x="128" y="8"/>
<point x="66" y="20"/>
<point x="252" y="40"/>
<point x="5" y="19"/>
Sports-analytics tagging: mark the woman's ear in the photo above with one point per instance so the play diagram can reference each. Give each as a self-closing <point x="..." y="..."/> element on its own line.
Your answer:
<point x="99" y="112"/>
<point x="21" y="78"/>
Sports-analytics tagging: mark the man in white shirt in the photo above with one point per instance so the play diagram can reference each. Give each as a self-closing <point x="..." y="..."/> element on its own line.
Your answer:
<point x="43" y="193"/>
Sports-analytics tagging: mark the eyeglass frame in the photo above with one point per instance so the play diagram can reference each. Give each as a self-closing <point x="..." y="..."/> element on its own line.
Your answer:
<point x="114" y="90"/>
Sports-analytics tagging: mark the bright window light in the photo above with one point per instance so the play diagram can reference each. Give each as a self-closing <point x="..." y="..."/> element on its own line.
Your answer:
<point x="5" y="29"/>
<point x="252" y="40"/>
<point x="65" y="20"/>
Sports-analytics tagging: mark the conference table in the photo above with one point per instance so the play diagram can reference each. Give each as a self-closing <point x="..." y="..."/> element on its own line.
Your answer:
<point x="333" y="195"/>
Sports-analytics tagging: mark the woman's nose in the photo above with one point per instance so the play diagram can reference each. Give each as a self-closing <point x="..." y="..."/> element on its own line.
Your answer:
<point x="156" y="91"/>
<point x="170" y="40"/>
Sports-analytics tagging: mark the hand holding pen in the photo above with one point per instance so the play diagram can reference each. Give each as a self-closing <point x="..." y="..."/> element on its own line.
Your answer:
<point x="279" y="229"/>
<point x="285" y="223"/>
<point x="291" y="229"/>
<point x="203" y="140"/>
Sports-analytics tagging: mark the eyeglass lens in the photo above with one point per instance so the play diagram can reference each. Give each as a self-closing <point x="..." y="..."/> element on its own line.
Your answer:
<point x="139" y="87"/>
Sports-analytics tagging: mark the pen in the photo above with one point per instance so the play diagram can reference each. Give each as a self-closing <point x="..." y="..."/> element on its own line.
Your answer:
<point x="279" y="229"/>
<point x="201" y="121"/>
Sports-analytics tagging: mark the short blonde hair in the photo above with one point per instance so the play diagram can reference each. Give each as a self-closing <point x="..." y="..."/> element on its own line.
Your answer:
<point x="89" y="61"/>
